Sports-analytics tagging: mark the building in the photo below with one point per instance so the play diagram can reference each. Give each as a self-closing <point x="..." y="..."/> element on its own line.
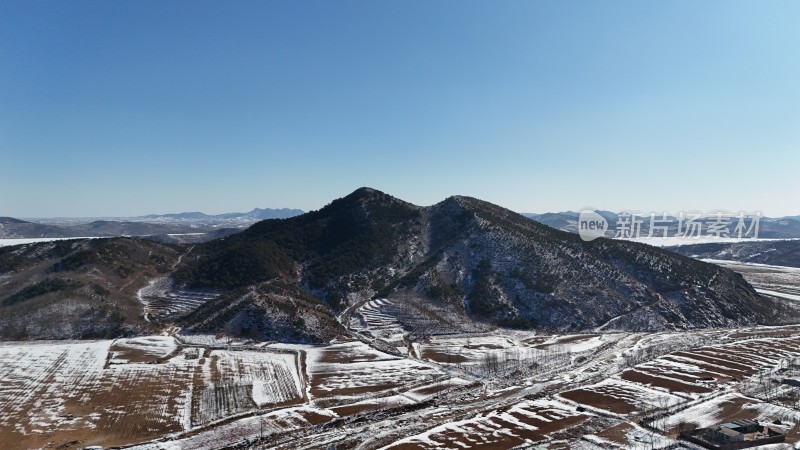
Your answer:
<point x="733" y="435"/>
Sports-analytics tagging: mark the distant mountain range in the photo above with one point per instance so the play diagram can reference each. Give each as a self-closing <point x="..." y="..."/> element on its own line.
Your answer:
<point x="254" y="215"/>
<point x="160" y="226"/>
<point x="769" y="227"/>
<point x="180" y="227"/>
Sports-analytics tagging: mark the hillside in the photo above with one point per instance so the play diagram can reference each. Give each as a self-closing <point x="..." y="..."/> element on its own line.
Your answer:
<point x="78" y="289"/>
<point x="464" y="260"/>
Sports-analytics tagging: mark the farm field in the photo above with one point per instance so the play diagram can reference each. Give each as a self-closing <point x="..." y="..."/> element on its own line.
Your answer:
<point x="777" y="281"/>
<point x="112" y="393"/>
<point x="494" y="390"/>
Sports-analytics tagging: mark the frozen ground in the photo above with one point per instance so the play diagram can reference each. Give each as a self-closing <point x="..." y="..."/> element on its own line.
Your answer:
<point x="670" y="241"/>
<point x="778" y="281"/>
<point x="503" y="389"/>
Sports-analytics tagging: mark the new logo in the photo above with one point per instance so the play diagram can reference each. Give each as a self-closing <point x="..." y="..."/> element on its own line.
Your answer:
<point x="591" y="225"/>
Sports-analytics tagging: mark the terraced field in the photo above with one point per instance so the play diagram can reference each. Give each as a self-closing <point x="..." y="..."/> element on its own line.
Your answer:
<point x="161" y="301"/>
<point x="490" y="390"/>
<point x="373" y="319"/>
<point x="521" y="423"/>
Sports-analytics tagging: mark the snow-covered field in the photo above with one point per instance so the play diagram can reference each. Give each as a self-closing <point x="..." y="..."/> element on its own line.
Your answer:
<point x="131" y="390"/>
<point x="671" y="241"/>
<point x="353" y="371"/>
<point x="493" y="390"/>
<point x="777" y="281"/>
<point x="511" y="426"/>
<point x="60" y="392"/>
<point x="19" y="241"/>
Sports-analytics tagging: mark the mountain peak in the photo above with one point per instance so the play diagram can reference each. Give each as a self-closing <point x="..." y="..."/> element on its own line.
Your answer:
<point x="366" y="192"/>
<point x="367" y="199"/>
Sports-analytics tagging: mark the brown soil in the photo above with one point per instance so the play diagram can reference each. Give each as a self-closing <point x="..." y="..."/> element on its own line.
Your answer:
<point x="409" y="446"/>
<point x="432" y="388"/>
<point x="128" y="409"/>
<point x="617" y="433"/>
<point x="601" y="401"/>
<point x="442" y="357"/>
<point x="672" y="385"/>
<point x="348" y="410"/>
<point x="136" y="356"/>
<point x="484" y="347"/>
<point x="344" y="355"/>
<point x="314" y="418"/>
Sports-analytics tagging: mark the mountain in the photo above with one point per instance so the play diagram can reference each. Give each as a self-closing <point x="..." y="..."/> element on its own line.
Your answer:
<point x="464" y="261"/>
<point x="461" y="265"/>
<point x="780" y="228"/>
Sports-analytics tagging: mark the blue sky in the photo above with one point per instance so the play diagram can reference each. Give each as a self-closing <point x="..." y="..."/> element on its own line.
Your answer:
<point x="135" y="107"/>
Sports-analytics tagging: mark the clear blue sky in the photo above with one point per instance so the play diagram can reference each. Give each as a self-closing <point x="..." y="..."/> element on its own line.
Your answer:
<point x="134" y="107"/>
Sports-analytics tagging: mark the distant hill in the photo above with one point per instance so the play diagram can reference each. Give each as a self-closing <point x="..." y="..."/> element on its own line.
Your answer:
<point x="775" y="253"/>
<point x="187" y="227"/>
<point x="255" y="215"/>
<point x="11" y="220"/>
<point x="98" y="228"/>
<point x="178" y="216"/>
<point x="11" y="228"/>
<point x="769" y="227"/>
